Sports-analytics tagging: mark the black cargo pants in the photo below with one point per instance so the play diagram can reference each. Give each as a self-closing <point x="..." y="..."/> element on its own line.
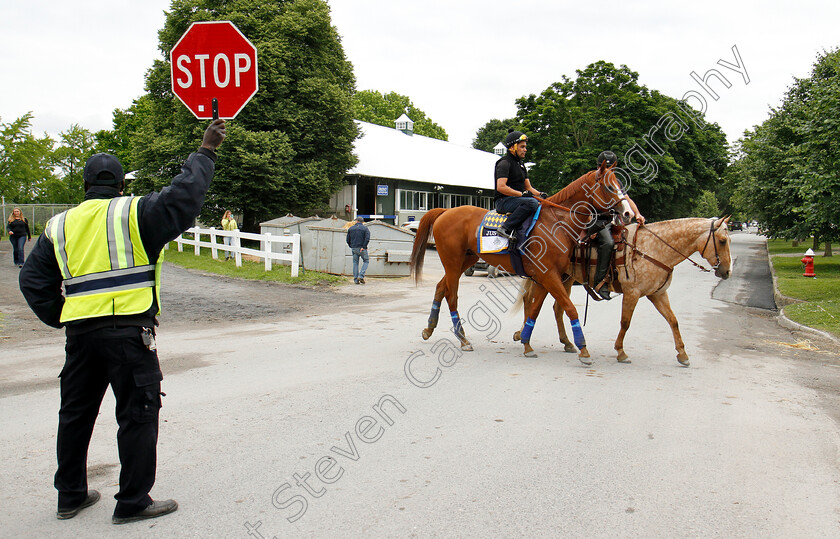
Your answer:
<point x="115" y="356"/>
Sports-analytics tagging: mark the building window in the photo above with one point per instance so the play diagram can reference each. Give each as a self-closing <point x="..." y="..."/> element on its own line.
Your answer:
<point x="446" y="200"/>
<point x="414" y="200"/>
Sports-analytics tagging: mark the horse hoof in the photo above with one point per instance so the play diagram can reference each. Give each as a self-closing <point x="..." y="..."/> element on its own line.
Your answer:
<point x="624" y="360"/>
<point x="467" y="347"/>
<point x="570" y="348"/>
<point x="530" y="354"/>
<point x="427" y="333"/>
<point x="683" y="361"/>
<point x="517" y="335"/>
<point x="583" y="357"/>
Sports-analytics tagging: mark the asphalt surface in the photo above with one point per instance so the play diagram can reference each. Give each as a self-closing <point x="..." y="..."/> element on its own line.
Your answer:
<point x="343" y="422"/>
<point x="751" y="284"/>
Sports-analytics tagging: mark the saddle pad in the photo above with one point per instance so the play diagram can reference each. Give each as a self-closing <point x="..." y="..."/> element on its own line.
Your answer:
<point x="488" y="239"/>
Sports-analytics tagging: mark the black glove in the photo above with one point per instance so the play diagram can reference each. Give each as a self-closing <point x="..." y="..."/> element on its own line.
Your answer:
<point x="527" y="194"/>
<point x="543" y="194"/>
<point x="214" y="135"/>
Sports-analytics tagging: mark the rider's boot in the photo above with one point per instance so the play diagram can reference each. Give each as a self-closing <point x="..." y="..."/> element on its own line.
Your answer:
<point x="600" y="272"/>
<point x="506" y="233"/>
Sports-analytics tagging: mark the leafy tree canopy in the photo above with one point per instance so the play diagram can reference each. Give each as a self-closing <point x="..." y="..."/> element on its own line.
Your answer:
<point x="493" y="132"/>
<point x="290" y="147"/>
<point x="25" y="162"/>
<point x="373" y="107"/>
<point x="668" y="151"/>
<point x="786" y="170"/>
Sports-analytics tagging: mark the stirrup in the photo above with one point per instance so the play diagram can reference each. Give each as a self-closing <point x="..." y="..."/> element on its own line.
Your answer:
<point x="603" y="290"/>
<point x="510" y="235"/>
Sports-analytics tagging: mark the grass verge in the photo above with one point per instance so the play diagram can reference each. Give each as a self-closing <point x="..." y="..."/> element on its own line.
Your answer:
<point x="820" y="297"/>
<point x="250" y="270"/>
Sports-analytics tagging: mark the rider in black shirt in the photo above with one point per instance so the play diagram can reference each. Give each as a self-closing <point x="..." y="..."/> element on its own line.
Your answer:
<point x="514" y="194"/>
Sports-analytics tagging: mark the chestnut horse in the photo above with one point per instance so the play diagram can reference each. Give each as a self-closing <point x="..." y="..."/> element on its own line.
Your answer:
<point x="652" y="252"/>
<point x="546" y="250"/>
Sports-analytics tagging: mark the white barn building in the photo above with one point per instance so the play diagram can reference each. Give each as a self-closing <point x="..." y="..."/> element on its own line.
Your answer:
<point x="400" y="175"/>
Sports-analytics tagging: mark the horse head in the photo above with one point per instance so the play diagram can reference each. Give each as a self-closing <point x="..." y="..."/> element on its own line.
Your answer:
<point x="599" y="191"/>
<point x="714" y="247"/>
<point x="613" y="198"/>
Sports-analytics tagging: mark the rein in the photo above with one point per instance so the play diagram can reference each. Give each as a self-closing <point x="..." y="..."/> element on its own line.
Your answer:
<point x="598" y="177"/>
<point x="712" y="230"/>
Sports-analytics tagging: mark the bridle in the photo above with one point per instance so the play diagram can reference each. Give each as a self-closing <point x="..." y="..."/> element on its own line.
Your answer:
<point x="712" y="230"/>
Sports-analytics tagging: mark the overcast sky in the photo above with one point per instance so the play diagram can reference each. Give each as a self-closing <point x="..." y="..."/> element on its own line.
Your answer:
<point x="463" y="62"/>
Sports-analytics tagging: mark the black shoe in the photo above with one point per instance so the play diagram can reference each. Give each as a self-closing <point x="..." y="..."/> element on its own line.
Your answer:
<point x="361" y="280"/>
<point x="64" y="514"/>
<point x="156" y="509"/>
<point x="505" y="233"/>
<point x="355" y="281"/>
<point x="604" y="293"/>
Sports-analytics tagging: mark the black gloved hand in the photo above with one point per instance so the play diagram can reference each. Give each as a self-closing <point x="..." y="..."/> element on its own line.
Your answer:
<point x="214" y="135"/>
<point x="543" y="194"/>
<point x="527" y="194"/>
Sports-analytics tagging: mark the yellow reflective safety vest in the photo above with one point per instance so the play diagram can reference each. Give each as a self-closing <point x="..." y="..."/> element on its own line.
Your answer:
<point x="105" y="267"/>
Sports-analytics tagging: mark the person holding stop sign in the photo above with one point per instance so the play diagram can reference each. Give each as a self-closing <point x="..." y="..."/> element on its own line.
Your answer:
<point x="95" y="271"/>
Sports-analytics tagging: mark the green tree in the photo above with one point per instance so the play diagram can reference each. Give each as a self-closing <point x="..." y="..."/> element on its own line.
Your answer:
<point x="117" y="141"/>
<point x="820" y="166"/>
<point x="493" y="132"/>
<point x="74" y="147"/>
<point x="291" y="146"/>
<point x="707" y="205"/>
<point x="373" y="107"/>
<point x="25" y="161"/>
<point x="787" y="168"/>
<point x="605" y="108"/>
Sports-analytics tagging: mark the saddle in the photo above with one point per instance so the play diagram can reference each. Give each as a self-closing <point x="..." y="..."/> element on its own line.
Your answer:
<point x="489" y="241"/>
<point x="585" y="258"/>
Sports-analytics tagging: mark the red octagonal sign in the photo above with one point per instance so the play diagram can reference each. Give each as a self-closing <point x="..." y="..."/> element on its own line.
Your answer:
<point x="214" y="60"/>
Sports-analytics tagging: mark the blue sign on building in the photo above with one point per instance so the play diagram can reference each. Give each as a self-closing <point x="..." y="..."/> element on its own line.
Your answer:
<point x="381" y="190"/>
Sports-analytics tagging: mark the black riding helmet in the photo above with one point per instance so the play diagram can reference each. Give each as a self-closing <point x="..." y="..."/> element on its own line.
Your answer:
<point x="607" y="156"/>
<point x="513" y="137"/>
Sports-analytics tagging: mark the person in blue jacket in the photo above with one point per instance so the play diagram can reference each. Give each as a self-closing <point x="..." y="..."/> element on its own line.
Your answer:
<point x="358" y="237"/>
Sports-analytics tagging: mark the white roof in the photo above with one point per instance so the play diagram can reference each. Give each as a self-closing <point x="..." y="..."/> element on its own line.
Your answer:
<point x="385" y="152"/>
<point x="404" y="118"/>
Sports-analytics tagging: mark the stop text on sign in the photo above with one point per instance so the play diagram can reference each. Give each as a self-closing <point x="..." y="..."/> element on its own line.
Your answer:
<point x="221" y="69"/>
<point x="214" y="60"/>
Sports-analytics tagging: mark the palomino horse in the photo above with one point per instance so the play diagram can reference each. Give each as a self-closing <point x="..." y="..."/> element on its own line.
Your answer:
<point x="546" y="250"/>
<point x="652" y="252"/>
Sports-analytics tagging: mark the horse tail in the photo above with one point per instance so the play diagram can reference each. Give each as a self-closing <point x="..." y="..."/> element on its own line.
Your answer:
<point x="421" y="240"/>
<point x="524" y="290"/>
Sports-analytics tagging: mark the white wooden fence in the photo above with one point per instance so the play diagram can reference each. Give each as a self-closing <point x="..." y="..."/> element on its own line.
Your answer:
<point x="265" y="252"/>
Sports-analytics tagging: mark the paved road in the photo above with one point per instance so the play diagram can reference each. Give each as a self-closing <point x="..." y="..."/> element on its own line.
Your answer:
<point x="751" y="284"/>
<point x="742" y="443"/>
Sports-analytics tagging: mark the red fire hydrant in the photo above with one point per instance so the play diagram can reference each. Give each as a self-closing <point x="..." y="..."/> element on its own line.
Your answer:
<point x="808" y="260"/>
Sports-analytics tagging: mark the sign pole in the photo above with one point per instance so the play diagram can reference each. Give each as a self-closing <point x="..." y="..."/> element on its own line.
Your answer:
<point x="215" y="109"/>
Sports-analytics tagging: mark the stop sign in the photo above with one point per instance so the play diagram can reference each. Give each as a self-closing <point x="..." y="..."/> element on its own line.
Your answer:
<point x="214" y="60"/>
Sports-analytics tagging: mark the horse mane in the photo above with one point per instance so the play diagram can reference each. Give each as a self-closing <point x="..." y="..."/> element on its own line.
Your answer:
<point x="570" y="190"/>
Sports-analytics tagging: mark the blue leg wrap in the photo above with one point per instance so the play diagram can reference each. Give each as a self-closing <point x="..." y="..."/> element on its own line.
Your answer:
<point x="433" y="316"/>
<point x="525" y="335"/>
<point x="456" y="323"/>
<point x="580" y="342"/>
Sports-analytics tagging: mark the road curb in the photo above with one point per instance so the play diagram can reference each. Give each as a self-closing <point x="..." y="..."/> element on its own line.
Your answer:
<point x="786" y="322"/>
<point x="782" y="301"/>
